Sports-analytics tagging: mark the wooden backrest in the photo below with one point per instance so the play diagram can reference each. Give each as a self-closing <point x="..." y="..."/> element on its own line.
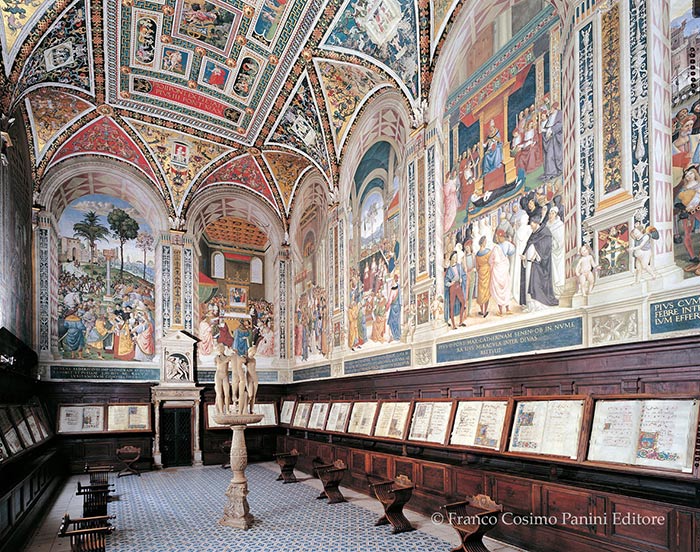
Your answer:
<point x="129" y="452"/>
<point x="485" y="502"/>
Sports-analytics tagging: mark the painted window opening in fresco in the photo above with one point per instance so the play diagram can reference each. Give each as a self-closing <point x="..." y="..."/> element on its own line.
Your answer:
<point x="106" y="296"/>
<point x="685" y="79"/>
<point x="256" y="271"/>
<point x="218" y="268"/>
<point x="374" y="307"/>
<point x="233" y="309"/>
<point x="503" y="214"/>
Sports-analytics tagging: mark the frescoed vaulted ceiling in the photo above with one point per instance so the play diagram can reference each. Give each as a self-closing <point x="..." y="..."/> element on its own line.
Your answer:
<point x="201" y="93"/>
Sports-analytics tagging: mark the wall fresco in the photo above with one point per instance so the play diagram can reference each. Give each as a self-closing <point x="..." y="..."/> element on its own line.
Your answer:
<point x="181" y="157"/>
<point x="374" y="302"/>
<point x="502" y="193"/>
<point x="106" y="294"/>
<point x="312" y="330"/>
<point x="345" y="87"/>
<point x="104" y="136"/>
<point x="685" y="38"/>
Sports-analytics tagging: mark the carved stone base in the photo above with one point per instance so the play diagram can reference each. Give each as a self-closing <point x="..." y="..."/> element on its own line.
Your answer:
<point x="237" y="512"/>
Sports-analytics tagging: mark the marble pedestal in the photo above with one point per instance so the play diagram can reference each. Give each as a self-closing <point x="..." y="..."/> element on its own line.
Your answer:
<point x="236" y="512"/>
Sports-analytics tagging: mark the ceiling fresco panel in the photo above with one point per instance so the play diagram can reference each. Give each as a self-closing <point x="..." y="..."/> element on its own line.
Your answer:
<point x="346" y="88"/>
<point x="211" y="66"/>
<point x="64" y="55"/>
<point x="181" y="157"/>
<point x="286" y="169"/>
<point x="50" y="111"/>
<point x="382" y="31"/>
<point x="18" y="19"/>
<point x="299" y="126"/>
<point x="243" y="171"/>
<point x="104" y="137"/>
<point x="440" y="13"/>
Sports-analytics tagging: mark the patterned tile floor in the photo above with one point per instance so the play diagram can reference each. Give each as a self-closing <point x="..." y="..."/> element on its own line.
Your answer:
<point x="178" y="509"/>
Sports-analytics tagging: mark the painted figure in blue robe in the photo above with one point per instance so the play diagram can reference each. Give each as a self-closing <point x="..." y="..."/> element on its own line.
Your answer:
<point x="493" y="149"/>
<point x="241" y="339"/>
<point x="455" y="290"/>
<point x="395" y="309"/>
<point x="74" y="338"/>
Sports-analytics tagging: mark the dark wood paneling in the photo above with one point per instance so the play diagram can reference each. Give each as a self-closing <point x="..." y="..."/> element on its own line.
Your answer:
<point x="467" y="483"/>
<point x="530" y="503"/>
<point x="514" y="494"/>
<point x="634" y="524"/>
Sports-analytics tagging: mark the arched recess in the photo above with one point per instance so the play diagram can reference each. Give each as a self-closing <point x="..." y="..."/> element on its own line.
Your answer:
<point x="233" y="203"/>
<point x="313" y="269"/>
<point x="90" y="291"/>
<point x="385" y="118"/>
<point x="73" y="178"/>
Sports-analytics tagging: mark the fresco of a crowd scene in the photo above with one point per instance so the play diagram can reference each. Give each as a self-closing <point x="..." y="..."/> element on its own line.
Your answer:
<point x="106" y="292"/>
<point x="685" y="37"/>
<point x="502" y="197"/>
<point x="221" y="319"/>
<point x="374" y="310"/>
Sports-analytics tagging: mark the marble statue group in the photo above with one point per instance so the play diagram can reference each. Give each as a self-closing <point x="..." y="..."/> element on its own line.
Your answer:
<point x="242" y="389"/>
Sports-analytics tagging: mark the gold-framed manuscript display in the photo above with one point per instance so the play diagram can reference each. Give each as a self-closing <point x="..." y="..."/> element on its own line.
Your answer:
<point x="392" y="419"/>
<point x="338" y="416"/>
<point x="551" y="427"/>
<point x="431" y="421"/>
<point x="81" y="418"/>
<point x="129" y="417"/>
<point x="653" y="433"/>
<point x="362" y="417"/>
<point x="286" y="411"/>
<point x="319" y="412"/>
<point x="479" y="424"/>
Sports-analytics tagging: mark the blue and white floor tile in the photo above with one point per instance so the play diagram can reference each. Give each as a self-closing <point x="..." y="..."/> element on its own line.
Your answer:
<point x="178" y="510"/>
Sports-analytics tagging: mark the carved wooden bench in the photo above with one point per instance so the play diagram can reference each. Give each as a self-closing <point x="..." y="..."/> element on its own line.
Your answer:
<point x="128" y="455"/>
<point x="286" y="462"/>
<point x="86" y="534"/>
<point x="472" y="518"/>
<point x="330" y="475"/>
<point x="95" y="499"/>
<point x="99" y="475"/>
<point x="394" y="494"/>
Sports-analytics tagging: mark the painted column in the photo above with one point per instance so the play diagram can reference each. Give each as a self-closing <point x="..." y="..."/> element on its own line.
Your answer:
<point x="651" y="61"/>
<point x="46" y="254"/>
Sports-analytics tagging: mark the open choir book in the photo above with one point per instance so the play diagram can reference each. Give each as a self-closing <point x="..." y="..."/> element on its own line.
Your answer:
<point x="647" y="432"/>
